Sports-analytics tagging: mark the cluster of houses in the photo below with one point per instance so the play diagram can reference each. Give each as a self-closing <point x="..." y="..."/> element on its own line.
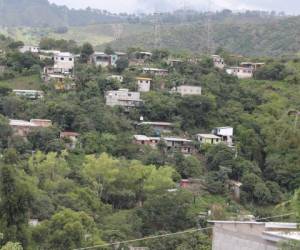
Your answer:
<point x="24" y="128"/>
<point x="186" y="146"/>
<point x="245" y="70"/>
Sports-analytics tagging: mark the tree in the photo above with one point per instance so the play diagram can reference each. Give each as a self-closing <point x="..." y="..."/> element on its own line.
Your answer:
<point x="108" y="50"/>
<point x="5" y="132"/>
<point x="167" y="212"/>
<point x="15" y="203"/>
<point x="121" y="64"/>
<point x="12" y="246"/>
<point x="275" y="72"/>
<point x="86" y="51"/>
<point x="67" y="230"/>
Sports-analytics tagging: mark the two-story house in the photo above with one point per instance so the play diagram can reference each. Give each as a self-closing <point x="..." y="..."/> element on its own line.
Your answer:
<point x="144" y="84"/>
<point x="123" y="97"/>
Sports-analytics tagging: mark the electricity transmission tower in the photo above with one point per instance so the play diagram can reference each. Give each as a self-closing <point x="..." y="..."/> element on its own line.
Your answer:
<point x="118" y="31"/>
<point x="157" y="30"/>
<point x="209" y="30"/>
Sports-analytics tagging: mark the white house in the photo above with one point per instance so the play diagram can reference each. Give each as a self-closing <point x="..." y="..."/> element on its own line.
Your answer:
<point x="208" y="139"/>
<point x="155" y="71"/>
<point x="246" y="235"/>
<point x="187" y="90"/>
<point x="226" y="133"/>
<point x="173" y="143"/>
<point x="29" y="48"/>
<point x="252" y="65"/>
<point x="144" y="84"/>
<point x="123" y="97"/>
<point x="104" y="60"/>
<point x="240" y="72"/>
<point x="218" y="61"/>
<point x="64" y="61"/>
<point x="30" y="94"/>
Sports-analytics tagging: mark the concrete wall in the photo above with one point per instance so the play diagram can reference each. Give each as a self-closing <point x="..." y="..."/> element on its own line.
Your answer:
<point x="240" y="237"/>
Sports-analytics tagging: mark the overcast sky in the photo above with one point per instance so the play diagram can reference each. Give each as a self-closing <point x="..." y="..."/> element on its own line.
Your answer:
<point x="288" y="6"/>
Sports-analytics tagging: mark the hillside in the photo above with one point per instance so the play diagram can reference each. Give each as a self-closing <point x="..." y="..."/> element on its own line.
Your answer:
<point x="252" y="33"/>
<point x="272" y="37"/>
<point x="40" y="13"/>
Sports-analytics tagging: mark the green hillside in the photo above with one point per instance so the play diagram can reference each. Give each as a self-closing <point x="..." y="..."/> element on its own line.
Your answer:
<point x="263" y="38"/>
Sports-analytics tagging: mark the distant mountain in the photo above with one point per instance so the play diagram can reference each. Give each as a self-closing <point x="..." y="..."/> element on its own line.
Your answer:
<point x="40" y="13"/>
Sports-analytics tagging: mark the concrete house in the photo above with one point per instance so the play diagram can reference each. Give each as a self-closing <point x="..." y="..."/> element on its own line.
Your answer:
<point x="173" y="143"/>
<point x="160" y="127"/>
<point x="123" y="97"/>
<point x="251" y="65"/>
<point x="29" y="48"/>
<point x="218" y="61"/>
<point x="71" y="138"/>
<point x="64" y="61"/>
<point x="155" y="71"/>
<point x="29" y="94"/>
<point x="144" y="84"/>
<point x="174" y="62"/>
<point x="145" y="140"/>
<point x="104" y="60"/>
<point x="139" y="58"/>
<point x="240" y="72"/>
<point x="208" y="139"/>
<point x="226" y="133"/>
<point x="23" y="128"/>
<point x="179" y="144"/>
<point x="246" y="235"/>
<point x="185" y="90"/>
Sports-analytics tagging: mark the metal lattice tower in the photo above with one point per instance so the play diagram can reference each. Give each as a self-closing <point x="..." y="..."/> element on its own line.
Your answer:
<point x="209" y="30"/>
<point x="157" y="30"/>
<point x="118" y="31"/>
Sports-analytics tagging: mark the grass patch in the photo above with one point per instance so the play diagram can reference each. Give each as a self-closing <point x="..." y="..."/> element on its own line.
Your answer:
<point x="24" y="82"/>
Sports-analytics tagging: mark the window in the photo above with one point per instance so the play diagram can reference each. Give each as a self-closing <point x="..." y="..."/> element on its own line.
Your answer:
<point x="70" y="59"/>
<point x="62" y="59"/>
<point x="129" y="94"/>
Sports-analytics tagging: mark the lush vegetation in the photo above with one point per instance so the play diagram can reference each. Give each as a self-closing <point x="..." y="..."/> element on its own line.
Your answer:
<point x="108" y="189"/>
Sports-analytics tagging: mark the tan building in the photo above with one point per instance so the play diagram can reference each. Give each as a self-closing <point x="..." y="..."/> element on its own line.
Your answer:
<point x="248" y="235"/>
<point x="23" y="128"/>
<point x="144" y="84"/>
<point x="173" y="143"/>
<point x="64" y="61"/>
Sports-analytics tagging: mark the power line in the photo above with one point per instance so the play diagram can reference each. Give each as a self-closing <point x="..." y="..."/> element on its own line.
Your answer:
<point x="145" y="238"/>
<point x="276" y="216"/>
